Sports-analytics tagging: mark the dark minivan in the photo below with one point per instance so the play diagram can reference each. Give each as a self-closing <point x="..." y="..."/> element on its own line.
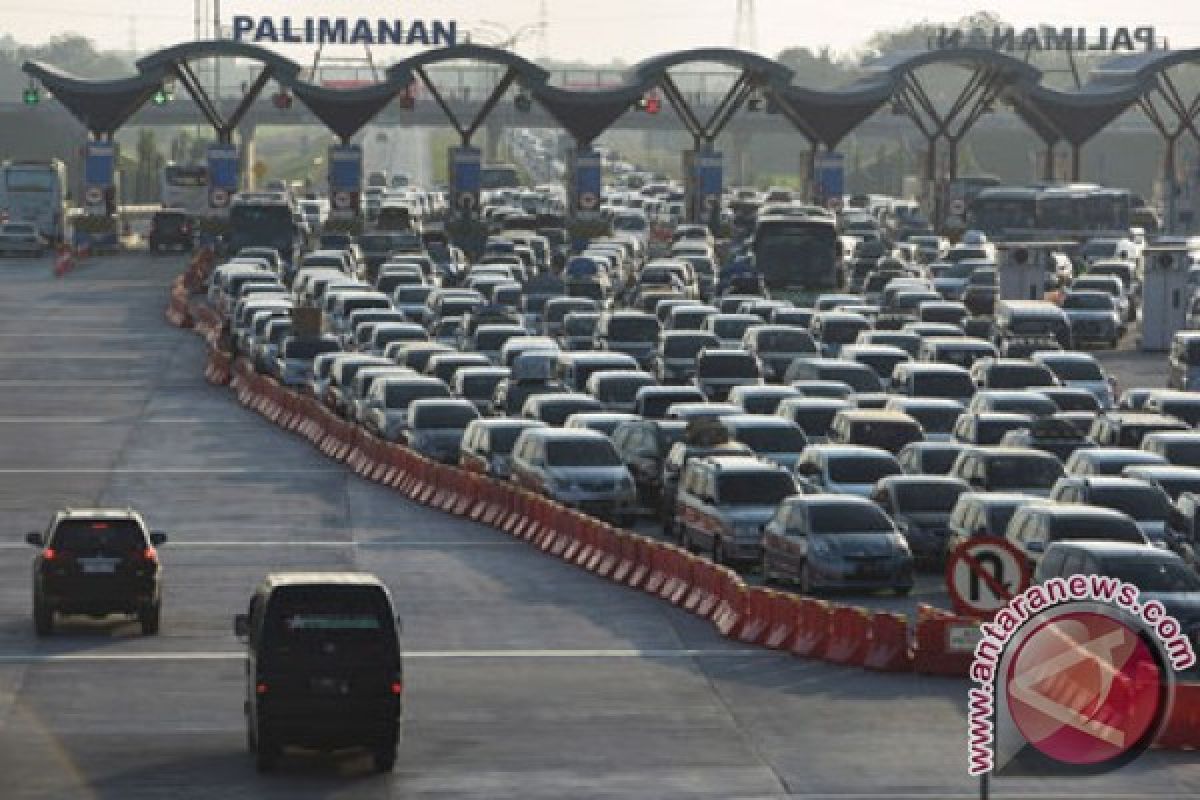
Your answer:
<point x="323" y="667"/>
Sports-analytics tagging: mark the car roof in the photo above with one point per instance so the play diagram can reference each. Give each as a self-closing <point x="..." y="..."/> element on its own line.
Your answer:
<point x="278" y="579"/>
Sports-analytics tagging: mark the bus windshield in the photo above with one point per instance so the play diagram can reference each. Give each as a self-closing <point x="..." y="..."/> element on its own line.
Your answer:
<point x="30" y="179"/>
<point x="796" y="252"/>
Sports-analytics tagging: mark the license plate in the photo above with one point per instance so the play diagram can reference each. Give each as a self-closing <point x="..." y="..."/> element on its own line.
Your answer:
<point x="330" y="686"/>
<point x="98" y="566"/>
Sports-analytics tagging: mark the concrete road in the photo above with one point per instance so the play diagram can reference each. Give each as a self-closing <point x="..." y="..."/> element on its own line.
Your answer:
<point x="526" y="678"/>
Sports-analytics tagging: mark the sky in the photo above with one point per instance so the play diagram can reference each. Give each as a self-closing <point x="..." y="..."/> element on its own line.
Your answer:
<point x="596" y="32"/>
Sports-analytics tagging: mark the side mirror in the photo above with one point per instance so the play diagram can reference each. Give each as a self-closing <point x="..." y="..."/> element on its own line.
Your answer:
<point x="241" y="627"/>
<point x="33" y="538"/>
<point x="157" y="538"/>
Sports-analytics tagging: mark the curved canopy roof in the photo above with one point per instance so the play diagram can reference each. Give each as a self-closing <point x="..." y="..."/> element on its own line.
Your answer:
<point x="823" y="115"/>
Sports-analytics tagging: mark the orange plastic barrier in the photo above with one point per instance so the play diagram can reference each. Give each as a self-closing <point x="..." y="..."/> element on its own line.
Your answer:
<point x="784" y="620"/>
<point x="812" y="627"/>
<point x="674" y="569"/>
<point x="626" y="556"/>
<point x="756" y="621"/>
<point x="642" y="562"/>
<point x="732" y="603"/>
<point x="656" y="575"/>
<point x="942" y="646"/>
<point x="847" y="642"/>
<point x="610" y="547"/>
<point x="888" y="649"/>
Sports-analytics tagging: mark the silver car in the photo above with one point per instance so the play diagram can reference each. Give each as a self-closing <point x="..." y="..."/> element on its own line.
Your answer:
<point x="577" y="468"/>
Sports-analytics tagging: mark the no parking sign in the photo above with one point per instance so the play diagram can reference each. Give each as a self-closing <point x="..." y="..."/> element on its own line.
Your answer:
<point x="984" y="573"/>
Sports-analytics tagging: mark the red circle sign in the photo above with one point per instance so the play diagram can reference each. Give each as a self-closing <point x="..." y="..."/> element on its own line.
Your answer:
<point x="1084" y="689"/>
<point x="984" y="573"/>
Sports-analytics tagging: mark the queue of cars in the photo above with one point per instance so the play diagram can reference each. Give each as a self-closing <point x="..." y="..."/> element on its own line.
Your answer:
<point x="712" y="413"/>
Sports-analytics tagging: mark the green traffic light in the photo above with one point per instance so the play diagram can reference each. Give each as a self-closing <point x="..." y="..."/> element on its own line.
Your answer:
<point x="161" y="97"/>
<point x="31" y="96"/>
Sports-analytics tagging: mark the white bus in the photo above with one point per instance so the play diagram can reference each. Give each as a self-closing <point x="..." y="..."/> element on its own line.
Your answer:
<point x="185" y="188"/>
<point x="36" y="192"/>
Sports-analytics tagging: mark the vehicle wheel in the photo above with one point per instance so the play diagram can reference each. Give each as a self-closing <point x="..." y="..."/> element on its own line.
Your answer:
<point x="43" y="619"/>
<point x="805" y="582"/>
<point x="266" y="753"/>
<point x="903" y="591"/>
<point x="384" y="755"/>
<point x="149" y="618"/>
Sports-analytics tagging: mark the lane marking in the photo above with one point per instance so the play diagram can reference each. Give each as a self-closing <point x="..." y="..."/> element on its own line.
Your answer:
<point x="439" y="655"/>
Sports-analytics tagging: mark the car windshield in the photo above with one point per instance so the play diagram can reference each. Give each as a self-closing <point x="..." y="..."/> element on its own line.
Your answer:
<point x="1023" y="472"/>
<point x="935" y="420"/>
<point x="399" y="395"/>
<point x="412" y="295"/>
<point x="1088" y="301"/>
<point x="582" y="453"/>
<point x="621" y="390"/>
<point x="786" y="342"/>
<point x="1077" y="370"/>
<point x="633" y="329"/>
<point x="1140" y="503"/>
<point x="1091" y="526"/>
<point x="1018" y="377"/>
<point x="848" y="518"/>
<point x="685" y="346"/>
<point x="814" y="421"/>
<point x="861" y="469"/>
<point x="732" y="365"/>
<point x="841" y="331"/>
<point x="732" y="328"/>
<point x="772" y="439"/>
<point x="309" y="348"/>
<point x="444" y="417"/>
<point x="859" y="379"/>
<point x="579" y="325"/>
<point x="755" y="488"/>
<point x="104" y="536"/>
<point x="938" y="385"/>
<point x="927" y="498"/>
<point x="1152" y="575"/>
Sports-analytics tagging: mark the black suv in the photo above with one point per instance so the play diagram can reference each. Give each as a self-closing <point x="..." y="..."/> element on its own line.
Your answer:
<point x="169" y="229"/>
<point x="323" y="666"/>
<point x="97" y="562"/>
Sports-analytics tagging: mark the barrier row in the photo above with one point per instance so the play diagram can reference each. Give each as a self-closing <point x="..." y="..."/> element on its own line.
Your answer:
<point x="940" y="643"/>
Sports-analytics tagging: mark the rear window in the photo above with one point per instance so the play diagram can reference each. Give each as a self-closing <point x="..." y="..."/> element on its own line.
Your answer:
<point x="732" y="328"/>
<point x="325" y="622"/>
<point x="1142" y="503"/>
<point x="580" y="325"/>
<point x="685" y="346"/>
<point x="1019" y="377"/>
<point x="1023" y="471"/>
<point x="399" y="395"/>
<point x="786" y="342"/>
<point x="1096" y="527"/>
<point x="755" y="488"/>
<point x="938" y="385"/>
<point x="1077" y="370"/>
<point x="108" y="536"/>
<point x="860" y="379"/>
<point x="412" y="295"/>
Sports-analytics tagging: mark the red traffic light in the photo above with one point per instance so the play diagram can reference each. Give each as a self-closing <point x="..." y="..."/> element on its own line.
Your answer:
<point x="281" y="100"/>
<point x="650" y="103"/>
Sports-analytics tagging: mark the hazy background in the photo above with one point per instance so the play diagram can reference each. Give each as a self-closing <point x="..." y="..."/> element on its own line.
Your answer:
<point x="599" y="32"/>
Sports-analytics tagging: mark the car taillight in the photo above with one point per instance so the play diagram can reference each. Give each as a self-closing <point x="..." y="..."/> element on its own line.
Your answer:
<point x="397" y="688"/>
<point x="49" y="554"/>
<point x="150" y="555"/>
<point x="260" y="688"/>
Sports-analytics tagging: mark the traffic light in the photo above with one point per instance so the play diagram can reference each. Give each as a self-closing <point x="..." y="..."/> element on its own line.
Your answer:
<point x="31" y="96"/>
<point x="650" y="103"/>
<point x="281" y="100"/>
<point x="160" y="97"/>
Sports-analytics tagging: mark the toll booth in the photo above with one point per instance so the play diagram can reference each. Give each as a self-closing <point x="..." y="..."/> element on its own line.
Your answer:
<point x="99" y="178"/>
<point x="585" y="173"/>
<point x="1022" y="268"/>
<point x="1165" y="293"/>
<point x="703" y="184"/>
<point x="344" y="174"/>
<point x="464" y="168"/>
<point x="224" y="177"/>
